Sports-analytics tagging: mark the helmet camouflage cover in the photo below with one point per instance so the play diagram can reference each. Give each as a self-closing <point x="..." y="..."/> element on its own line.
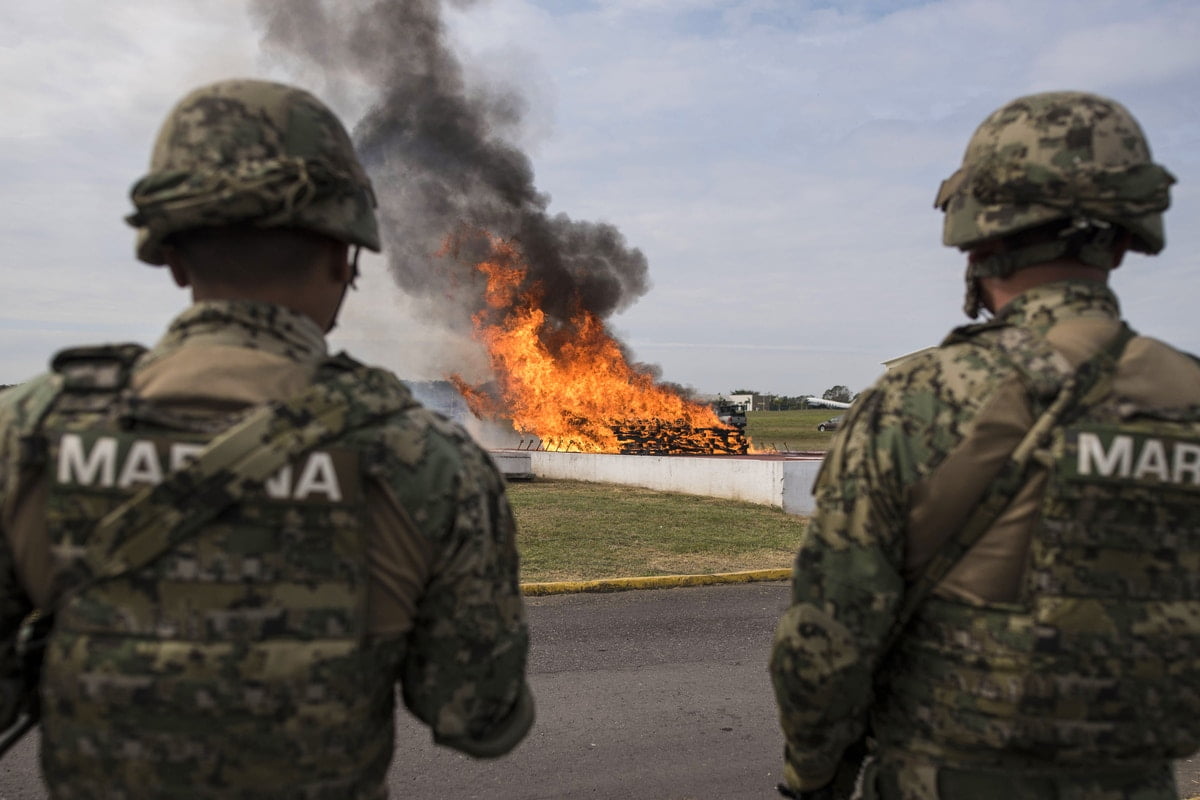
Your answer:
<point x="1068" y="156"/>
<point x="252" y="152"/>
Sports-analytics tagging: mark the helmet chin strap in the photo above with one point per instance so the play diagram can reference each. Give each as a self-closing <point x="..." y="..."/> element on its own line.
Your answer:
<point x="346" y="287"/>
<point x="973" y="304"/>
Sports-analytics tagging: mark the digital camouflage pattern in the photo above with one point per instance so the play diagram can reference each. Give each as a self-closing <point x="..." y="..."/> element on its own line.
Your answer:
<point x="239" y="664"/>
<point x="1078" y="674"/>
<point x="252" y="152"/>
<point x="1056" y="156"/>
<point x="1068" y="157"/>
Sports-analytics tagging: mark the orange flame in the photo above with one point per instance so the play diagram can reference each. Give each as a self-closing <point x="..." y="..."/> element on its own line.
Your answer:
<point x="570" y="384"/>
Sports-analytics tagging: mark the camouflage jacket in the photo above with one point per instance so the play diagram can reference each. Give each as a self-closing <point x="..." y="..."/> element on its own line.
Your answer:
<point x="916" y="453"/>
<point x="443" y="607"/>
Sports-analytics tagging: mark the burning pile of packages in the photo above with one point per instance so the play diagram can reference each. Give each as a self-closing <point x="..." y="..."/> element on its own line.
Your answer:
<point x="570" y="384"/>
<point x="659" y="437"/>
<point x="652" y="438"/>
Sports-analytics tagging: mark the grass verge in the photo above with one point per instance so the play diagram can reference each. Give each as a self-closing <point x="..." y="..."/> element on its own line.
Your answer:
<point x="570" y="531"/>
<point x="789" y="430"/>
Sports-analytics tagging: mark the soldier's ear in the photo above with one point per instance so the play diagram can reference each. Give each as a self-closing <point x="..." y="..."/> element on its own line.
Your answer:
<point x="179" y="272"/>
<point x="1121" y="247"/>
<point x="343" y="269"/>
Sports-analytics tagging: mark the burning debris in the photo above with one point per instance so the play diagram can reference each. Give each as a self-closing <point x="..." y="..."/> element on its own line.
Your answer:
<point x="677" y="438"/>
<point x="568" y="381"/>
<point x="657" y="438"/>
<point x="466" y="231"/>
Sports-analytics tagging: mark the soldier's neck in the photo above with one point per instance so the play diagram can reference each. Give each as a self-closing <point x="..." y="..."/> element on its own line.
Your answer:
<point x="999" y="292"/>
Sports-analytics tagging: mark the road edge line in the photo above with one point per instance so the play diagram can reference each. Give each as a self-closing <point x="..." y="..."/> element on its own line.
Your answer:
<point x="652" y="582"/>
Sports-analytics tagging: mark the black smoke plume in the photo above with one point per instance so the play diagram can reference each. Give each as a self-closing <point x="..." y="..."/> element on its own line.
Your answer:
<point x="442" y="166"/>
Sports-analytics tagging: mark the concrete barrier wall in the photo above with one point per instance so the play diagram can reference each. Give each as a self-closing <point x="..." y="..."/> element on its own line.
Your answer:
<point x="515" y="464"/>
<point x="798" y="479"/>
<point x="786" y="484"/>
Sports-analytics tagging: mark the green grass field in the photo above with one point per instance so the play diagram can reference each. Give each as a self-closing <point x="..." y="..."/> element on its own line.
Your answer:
<point x="568" y="530"/>
<point x="789" y="430"/>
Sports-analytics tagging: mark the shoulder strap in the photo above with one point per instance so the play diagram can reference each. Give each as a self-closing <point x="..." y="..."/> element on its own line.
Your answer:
<point x="34" y="407"/>
<point x="103" y="368"/>
<point x="160" y="517"/>
<point x="1089" y="382"/>
<point x="83" y="377"/>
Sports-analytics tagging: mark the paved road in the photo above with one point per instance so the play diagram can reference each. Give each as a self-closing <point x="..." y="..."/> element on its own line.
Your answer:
<point x="654" y="695"/>
<point x="661" y="695"/>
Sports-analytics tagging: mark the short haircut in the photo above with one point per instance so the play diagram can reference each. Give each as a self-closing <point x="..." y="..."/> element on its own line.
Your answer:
<point x="243" y="254"/>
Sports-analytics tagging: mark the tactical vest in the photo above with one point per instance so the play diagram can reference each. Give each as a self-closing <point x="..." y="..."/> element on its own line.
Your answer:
<point x="1097" y="664"/>
<point x="236" y="664"/>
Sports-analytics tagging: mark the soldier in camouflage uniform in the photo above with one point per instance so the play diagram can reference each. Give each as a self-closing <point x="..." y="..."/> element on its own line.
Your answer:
<point x="1057" y="654"/>
<point x="256" y="653"/>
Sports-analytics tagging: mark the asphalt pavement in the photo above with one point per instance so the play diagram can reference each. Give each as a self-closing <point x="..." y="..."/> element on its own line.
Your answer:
<point x="660" y="694"/>
<point x="642" y="695"/>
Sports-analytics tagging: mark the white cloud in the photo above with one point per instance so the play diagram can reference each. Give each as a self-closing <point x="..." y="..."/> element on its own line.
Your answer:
<point x="1123" y="54"/>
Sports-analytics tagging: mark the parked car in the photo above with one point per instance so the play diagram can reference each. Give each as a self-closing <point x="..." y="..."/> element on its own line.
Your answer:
<point x="831" y="424"/>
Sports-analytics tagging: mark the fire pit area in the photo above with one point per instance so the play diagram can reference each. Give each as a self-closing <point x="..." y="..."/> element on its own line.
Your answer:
<point x="566" y="382"/>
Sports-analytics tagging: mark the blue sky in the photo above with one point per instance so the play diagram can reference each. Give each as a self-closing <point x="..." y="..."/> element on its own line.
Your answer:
<point x="775" y="161"/>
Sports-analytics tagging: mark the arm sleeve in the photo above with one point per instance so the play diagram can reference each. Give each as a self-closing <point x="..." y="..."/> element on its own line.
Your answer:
<point x="464" y="671"/>
<point x="846" y="587"/>
<point x="14" y="601"/>
<point x="14" y="606"/>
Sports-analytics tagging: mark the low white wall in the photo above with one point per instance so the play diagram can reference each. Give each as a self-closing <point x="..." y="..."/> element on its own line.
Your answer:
<point x="515" y="464"/>
<point x="786" y="484"/>
<point x="798" y="479"/>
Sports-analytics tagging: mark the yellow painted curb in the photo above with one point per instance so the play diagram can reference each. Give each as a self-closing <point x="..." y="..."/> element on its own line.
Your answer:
<point x="653" y="582"/>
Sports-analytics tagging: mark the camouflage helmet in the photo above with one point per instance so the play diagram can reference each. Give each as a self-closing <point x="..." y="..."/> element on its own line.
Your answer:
<point x="1068" y="156"/>
<point x="257" y="153"/>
